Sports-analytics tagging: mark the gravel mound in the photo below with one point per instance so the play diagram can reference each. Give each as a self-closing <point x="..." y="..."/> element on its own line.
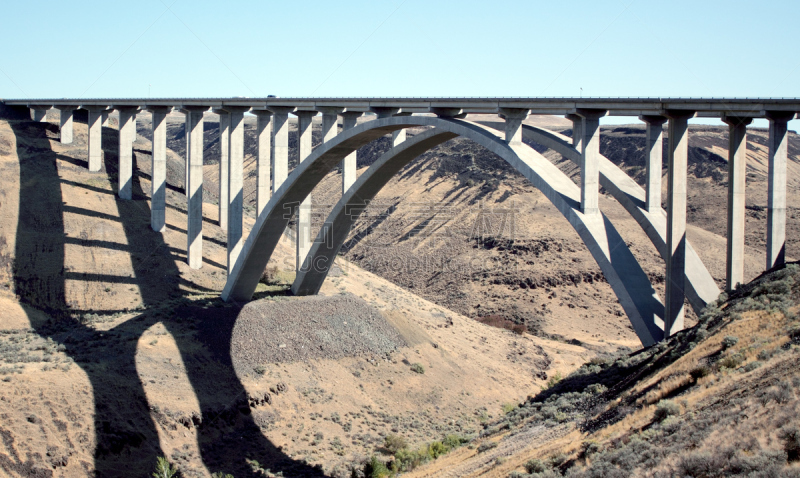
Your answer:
<point x="309" y="328"/>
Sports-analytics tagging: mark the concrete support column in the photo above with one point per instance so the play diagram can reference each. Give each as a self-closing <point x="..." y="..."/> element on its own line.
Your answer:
<point x="676" y="220"/>
<point x="66" y="123"/>
<point x="776" y="201"/>
<point x="653" y="151"/>
<point x="194" y="190"/>
<point x="39" y="114"/>
<point x="350" y="162"/>
<point x="280" y="145"/>
<point x="590" y="160"/>
<point x="235" y="183"/>
<point x="330" y="122"/>
<point x="304" y="211"/>
<point x="264" y="146"/>
<point x="737" y="169"/>
<point x="514" y="118"/>
<point x="95" y="143"/>
<point x="105" y="117"/>
<point x="126" y="135"/>
<point x="158" y="184"/>
<point x="577" y="130"/>
<point x="224" y="146"/>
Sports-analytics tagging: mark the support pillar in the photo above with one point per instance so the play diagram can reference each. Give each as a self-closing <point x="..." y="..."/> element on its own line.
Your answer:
<point x="590" y="160"/>
<point x="737" y="170"/>
<point x="303" y="235"/>
<point x="776" y="201"/>
<point x="514" y="118"/>
<point x="654" y="135"/>
<point x="264" y="146"/>
<point x="66" y="123"/>
<point x="194" y="206"/>
<point x="105" y="118"/>
<point x="125" y="169"/>
<point x="235" y="183"/>
<point x="577" y="130"/>
<point x="39" y="114"/>
<point x="158" y="184"/>
<point x="330" y="122"/>
<point x="350" y="162"/>
<point x="677" y="161"/>
<point x="280" y="145"/>
<point x="95" y="143"/>
<point x="224" y="146"/>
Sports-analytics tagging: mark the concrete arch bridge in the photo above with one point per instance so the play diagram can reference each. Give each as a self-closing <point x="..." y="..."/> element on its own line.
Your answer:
<point x="279" y="192"/>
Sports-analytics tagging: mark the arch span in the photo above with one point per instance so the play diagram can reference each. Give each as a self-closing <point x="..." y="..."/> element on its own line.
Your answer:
<point x="629" y="282"/>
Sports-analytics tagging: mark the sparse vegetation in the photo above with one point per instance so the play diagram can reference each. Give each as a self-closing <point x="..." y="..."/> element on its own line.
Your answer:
<point x="164" y="469"/>
<point x="417" y="368"/>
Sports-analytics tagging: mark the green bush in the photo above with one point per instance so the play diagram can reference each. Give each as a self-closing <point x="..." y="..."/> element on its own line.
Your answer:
<point x="394" y="443"/>
<point x="374" y="468"/>
<point x="535" y="465"/>
<point x="666" y="408"/>
<point x="437" y="449"/>
<point x="417" y="368"/>
<point x="729" y="341"/>
<point x="699" y="372"/>
<point x="164" y="469"/>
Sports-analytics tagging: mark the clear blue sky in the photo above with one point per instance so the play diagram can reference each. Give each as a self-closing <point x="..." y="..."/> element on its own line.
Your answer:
<point x="400" y="48"/>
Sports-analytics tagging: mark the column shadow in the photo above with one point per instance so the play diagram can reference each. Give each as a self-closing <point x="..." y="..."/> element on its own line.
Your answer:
<point x="127" y="441"/>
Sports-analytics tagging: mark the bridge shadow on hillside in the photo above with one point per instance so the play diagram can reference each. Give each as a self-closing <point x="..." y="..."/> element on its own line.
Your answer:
<point x="125" y="423"/>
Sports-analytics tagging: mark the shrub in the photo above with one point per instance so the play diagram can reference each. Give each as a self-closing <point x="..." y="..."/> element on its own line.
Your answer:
<point x="454" y="441"/>
<point x="751" y="366"/>
<point x="553" y="380"/>
<point x="437" y="449"/>
<point x="394" y="443"/>
<point x="535" y="465"/>
<point x="731" y="361"/>
<point x="502" y="323"/>
<point x="589" y="448"/>
<point x="699" y="372"/>
<point x="729" y="341"/>
<point x="417" y="368"/>
<point x="488" y="445"/>
<point x="666" y="408"/>
<point x="791" y="442"/>
<point x="164" y="469"/>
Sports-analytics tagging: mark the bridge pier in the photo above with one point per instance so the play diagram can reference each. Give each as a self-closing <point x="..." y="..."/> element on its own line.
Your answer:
<point x="350" y="162"/>
<point x="577" y="130"/>
<point x="676" y="220"/>
<point x="737" y="170"/>
<point x="158" y="183"/>
<point x="263" y="156"/>
<point x="126" y="135"/>
<point x="39" y="114"/>
<point x="304" y="148"/>
<point x="65" y="121"/>
<point x="95" y="141"/>
<point x="280" y="145"/>
<point x="514" y="118"/>
<point x="224" y="146"/>
<point x="106" y="112"/>
<point x="654" y="135"/>
<point x="590" y="160"/>
<point x="235" y="182"/>
<point x="776" y="201"/>
<point x="194" y="188"/>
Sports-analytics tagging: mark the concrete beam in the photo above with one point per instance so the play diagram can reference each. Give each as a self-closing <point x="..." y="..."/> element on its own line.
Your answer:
<point x="303" y="236"/>
<point x="653" y="151"/>
<point x="776" y="183"/>
<point x="590" y="160"/>
<point x="158" y="183"/>
<point x="66" y="128"/>
<point x="235" y="183"/>
<point x="350" y="162"/>
<point x="263" y="157"/>
<point x="514" y="118"/>
<point x="194" y="189"/>
<point x="280" y="146"/>
<point x="676" y="220"/>
<point x="95" y="142"/>
<point x="737" y="170"/>
<point x="126" y="136"/>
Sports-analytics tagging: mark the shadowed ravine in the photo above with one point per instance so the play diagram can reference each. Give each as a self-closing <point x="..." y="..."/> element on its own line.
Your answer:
<point x="127" y="441"/>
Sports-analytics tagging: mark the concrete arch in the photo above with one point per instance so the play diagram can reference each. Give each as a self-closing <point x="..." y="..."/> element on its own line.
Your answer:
<point x="700" y="285"/>
<point x="629" y="282"/>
